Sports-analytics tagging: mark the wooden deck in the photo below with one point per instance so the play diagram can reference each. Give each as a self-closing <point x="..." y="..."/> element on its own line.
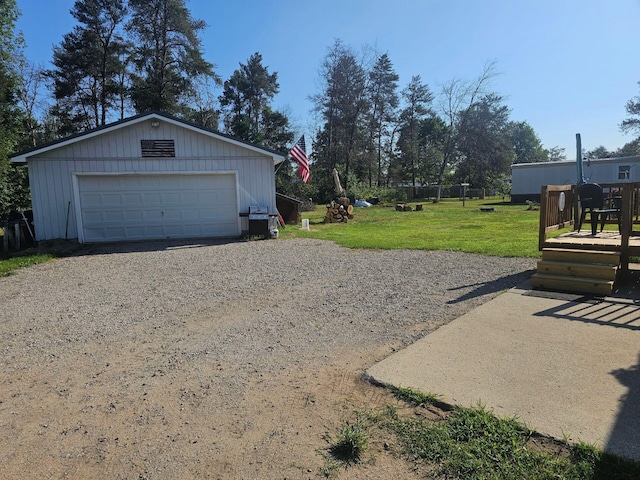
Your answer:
<point x="607" y="240"/>
<point x="560" y="208"/>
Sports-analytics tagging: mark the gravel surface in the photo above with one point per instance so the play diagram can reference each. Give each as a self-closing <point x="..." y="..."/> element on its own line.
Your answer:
<point x="98" y="331"/>
<point x="284" y="301"/>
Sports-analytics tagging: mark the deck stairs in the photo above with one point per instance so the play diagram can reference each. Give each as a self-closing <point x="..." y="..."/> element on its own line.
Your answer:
<point x="581" y="271"/>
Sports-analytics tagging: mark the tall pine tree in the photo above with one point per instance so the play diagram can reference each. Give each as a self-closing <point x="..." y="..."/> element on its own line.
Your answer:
<point x="383" y="98"/>
<point x="246" y="101"/>
<point x="167" y="57"/>
<point x="89" y="66"/>
<point x="417" y="98"/>
<point x="342" y="105"/>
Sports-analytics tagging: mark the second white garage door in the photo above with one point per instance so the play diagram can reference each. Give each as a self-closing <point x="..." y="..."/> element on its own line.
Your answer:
<point x="139" y="207"/>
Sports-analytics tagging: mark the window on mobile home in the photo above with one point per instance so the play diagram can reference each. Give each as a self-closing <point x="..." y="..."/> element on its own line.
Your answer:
<point x="623" y="172"/>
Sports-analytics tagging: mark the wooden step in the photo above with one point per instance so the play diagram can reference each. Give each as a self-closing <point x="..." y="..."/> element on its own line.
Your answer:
<point x="572" y="284"/>
<point x="585" y="270"/>
<point x="581" y="256"/>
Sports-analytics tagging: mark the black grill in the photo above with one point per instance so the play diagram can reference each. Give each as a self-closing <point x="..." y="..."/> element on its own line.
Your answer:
<point x="258" y="221"/>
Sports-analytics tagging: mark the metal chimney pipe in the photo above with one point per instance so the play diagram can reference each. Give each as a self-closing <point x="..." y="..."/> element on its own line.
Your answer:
<point x="579" y="159"/>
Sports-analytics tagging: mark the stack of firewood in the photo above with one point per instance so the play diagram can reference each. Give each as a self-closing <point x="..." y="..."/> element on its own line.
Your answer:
<point x="339" y="210"/>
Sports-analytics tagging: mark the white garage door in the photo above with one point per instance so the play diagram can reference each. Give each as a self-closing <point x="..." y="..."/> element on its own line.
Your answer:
<point x="138" y="207"/>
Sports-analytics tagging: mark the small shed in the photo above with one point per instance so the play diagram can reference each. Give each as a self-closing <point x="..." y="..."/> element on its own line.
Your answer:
<point x="151" y="176"/>
<point x="289" y="208"/>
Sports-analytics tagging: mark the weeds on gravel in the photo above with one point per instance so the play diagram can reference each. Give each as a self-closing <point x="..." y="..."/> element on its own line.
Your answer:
<point x="351" y="442"/>
<point x="474" y="444"/>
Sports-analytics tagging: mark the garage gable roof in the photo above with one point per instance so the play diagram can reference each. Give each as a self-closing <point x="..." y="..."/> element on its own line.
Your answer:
<point x="23" y="157"/>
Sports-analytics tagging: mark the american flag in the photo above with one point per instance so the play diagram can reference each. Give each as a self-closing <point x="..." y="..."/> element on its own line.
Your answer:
<point x="299" y="154"/>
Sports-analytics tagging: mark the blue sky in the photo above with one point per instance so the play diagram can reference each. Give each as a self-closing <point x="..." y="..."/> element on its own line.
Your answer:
<point x="566" y="66"/>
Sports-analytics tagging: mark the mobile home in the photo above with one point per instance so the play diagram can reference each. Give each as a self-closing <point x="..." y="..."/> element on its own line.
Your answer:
<point x="528" y="178"/>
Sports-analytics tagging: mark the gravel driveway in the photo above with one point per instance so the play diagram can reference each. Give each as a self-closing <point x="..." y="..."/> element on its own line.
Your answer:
<point x="214" y="360"/>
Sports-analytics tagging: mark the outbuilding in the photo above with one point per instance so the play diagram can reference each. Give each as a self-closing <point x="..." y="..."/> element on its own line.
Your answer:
<point x="151" y="176"/>
<point x="289" y="208"/>
<point x="528" y="178"/>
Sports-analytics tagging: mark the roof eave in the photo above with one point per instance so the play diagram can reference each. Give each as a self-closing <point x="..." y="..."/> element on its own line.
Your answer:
<point x="23" y="157"/>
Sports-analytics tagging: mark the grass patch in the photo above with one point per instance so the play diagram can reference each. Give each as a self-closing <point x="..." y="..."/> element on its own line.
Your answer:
<point x="509" y="230"/>
<point x="474" y="444"/>
<point x="351" y="442"/>
<point x="10" y="263"/>
<point x="413" y="397"/>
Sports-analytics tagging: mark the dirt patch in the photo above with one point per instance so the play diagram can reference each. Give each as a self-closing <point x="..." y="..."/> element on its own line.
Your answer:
<point x="125" y="411"/>
<point x="175" y="362"/>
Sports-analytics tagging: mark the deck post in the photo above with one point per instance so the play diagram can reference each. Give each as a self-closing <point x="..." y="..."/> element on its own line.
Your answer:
<point x="542" y="232"/>
<point x="626" y="226"/>
<point x="575" y="206"/>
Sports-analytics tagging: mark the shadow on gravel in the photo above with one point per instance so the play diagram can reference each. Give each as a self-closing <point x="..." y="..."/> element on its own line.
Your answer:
<point x="64" y="248"/>
<point x="491" y="287"/>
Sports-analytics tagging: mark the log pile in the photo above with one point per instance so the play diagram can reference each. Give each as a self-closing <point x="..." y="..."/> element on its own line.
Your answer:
<point x="339" y="211"/>
<point x="403" y="207"/>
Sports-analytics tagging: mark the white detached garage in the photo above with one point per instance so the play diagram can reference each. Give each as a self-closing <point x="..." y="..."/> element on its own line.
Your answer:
<point x="148" y="177"/>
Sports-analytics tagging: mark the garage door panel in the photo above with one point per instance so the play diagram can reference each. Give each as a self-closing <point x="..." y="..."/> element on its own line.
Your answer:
<point x="153" y="215"/>
<point x="154" y="198"/>
<point x="113" y="216"/>
<point x="132" y="198"/>
<point x="93" y="218"/>
<point x="169" y="198"/>
<point x="134" y="207"/>
<point x="189" y="198"/>
<point x="135" y="232"/>
<point x="133" y="216"/>
<point x="191" y="215"/>
<point x="91" y="199"/>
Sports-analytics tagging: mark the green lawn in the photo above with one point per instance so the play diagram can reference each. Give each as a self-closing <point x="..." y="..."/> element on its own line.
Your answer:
<point x="510" y="230"/>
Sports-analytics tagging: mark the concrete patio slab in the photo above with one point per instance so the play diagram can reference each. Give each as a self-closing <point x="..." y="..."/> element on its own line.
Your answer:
<point x="568" y="366"/>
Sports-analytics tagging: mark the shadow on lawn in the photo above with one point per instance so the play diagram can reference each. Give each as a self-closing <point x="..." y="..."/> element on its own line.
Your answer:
<point x="491" y="287"/>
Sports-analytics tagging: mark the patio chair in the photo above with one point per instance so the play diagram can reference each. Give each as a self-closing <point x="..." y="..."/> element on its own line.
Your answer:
<point x="592" y="201"/>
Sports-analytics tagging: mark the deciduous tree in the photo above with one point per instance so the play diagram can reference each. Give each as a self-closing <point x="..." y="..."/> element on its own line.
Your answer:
<point x="527" y="146"/>
<point x="457" y="99"/>
<point x="629" y="149"/>
<point x="599" y="152"/>
<point x="556" y="154"/>
<point x="484" y="145"/>
<point x="632" y="124"/>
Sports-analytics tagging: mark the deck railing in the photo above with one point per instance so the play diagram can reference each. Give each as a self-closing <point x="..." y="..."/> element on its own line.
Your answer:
<point x="552" y="218"/>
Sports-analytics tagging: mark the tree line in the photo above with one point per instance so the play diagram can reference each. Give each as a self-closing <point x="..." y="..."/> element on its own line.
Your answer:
<point x="125" y="57"/>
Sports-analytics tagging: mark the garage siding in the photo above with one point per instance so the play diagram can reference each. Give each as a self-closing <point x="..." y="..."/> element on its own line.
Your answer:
<point x="51" y="173"/>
